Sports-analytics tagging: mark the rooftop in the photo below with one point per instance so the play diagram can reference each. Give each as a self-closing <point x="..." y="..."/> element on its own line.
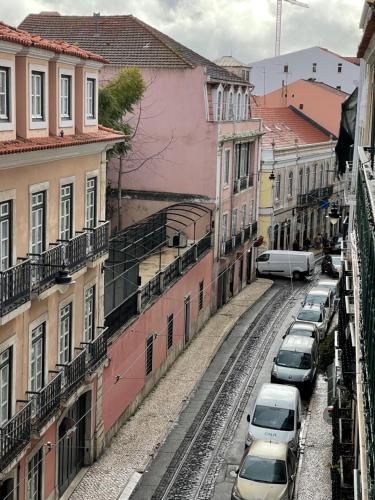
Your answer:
<point x="283" y="126"/>
<point x="124" y="41"/>
<point x="230" y="62"/>
<point x="14" y="35"/>
<point x="40" y="143"/>
<point x="325" y="86"/>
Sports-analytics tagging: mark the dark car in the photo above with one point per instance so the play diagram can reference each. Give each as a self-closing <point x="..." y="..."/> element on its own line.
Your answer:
<point x="333" y="245"/>
<point x="331" y="265"/>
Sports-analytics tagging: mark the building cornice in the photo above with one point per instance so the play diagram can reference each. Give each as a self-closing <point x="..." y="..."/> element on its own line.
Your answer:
<point x="10" y="48"/>
<point x="37" y="53"/>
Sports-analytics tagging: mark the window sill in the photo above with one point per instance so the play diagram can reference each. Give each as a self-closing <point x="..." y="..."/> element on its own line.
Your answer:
<point x="66" y="122"/>
<point x="6" y="126"/>
<point x="38" y="124"/>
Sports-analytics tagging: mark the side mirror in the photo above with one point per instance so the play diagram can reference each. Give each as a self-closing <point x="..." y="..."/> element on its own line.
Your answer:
<point x="298" y="425"/>
<point x="284" y="336"/>
<point x="292" y="477"/>
<point x="237" y="470"/>
<point x="248" y="418"/>
<point x="274" y="360"/>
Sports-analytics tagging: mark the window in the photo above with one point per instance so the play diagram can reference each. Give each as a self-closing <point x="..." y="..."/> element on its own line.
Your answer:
<point x="313" y="185"/>
<point x="201" y="295"/>
<point x="286" y="68"/>
<point x="243" y="216"/>
<point x="38" y="222"/>
<point x="169" y="331"/>
<point x="90" y="98"/>
<point x="219" y="106"/>
<point x="34" y="476"/>
<point x="91" y="202"/>
<point x="300" y="183"/>
<point x="264" y="257"/>
<point x="4" y="94"/>
<point x="314" y="66"/>
<point x="307" y="180"/>
<point x="66" y="97"/>
<point x="226" y="166"/>
<point x="246" y="74"/>
<point x="321" y="176"/>
<point x="66" y="211"/>
<point x="339" y="68"/>
<point x="225" y="227"/>
<point x="149" y="353"/>
<point x="65" y="350"/>
<point x="242" y="160"/>
<point x="89" y="319"/>
<point x="37" y="357"/>
<point x="5" y="235"/>
<point x="251" y="212"/>
<point x="327" y="173"/>
<point x="301" y="106"/>
<point x="290" y="184"/>
<point x="5" y="385"/>
<point x="278" y="187"/>
<point x="338" y="87"/>
<point x="246" y="107"/>
<point x="234" y="221"/>
<point x="238" y="106"/>
<point x="37" y="96"/>
<point x="230" y="106"/>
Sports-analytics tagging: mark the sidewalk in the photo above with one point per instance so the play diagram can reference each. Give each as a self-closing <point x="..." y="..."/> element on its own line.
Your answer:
<point x="140" y="437"/>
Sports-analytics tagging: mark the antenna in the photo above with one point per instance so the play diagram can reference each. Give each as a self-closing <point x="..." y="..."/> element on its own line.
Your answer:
<point x="278" y="20"/>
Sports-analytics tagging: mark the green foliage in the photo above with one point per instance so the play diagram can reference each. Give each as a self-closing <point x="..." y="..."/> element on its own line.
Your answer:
<point x="116" y="99"/>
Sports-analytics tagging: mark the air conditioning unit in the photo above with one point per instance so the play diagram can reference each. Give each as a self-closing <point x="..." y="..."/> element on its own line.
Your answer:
<point x="177" y="240"/>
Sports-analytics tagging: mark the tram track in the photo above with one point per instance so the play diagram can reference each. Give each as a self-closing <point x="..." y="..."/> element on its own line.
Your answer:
<point x="192" y="473"/>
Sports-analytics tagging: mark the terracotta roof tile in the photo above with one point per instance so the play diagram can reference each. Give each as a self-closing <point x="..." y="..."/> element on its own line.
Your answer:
<point x="14" y="35"/>
<point x="39" y="143"/>
<point x="283" y="126"/>
<point x="124" y="41"/>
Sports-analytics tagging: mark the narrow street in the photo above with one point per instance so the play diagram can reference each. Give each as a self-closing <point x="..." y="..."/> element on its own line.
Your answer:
<point x="201" y="453"/>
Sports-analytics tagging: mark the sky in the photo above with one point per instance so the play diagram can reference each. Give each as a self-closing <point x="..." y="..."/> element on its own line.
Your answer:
<point x="242" y="28"/>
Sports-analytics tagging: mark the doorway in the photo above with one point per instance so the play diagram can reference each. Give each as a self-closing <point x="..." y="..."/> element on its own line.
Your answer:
<point x="187" y="320"/>
<point x="248" y="265"/>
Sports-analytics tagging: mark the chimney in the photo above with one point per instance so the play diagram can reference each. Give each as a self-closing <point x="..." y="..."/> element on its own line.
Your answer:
<point x="96" y="16"/>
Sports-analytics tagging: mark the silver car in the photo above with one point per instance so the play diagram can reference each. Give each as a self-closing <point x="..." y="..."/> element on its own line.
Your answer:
<point x="314" y="313"/>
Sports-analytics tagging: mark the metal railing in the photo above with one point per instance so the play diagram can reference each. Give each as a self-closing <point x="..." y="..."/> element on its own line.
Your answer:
<point x="14" y="287"/>
<point x="46" y="402"/>
<point x="15" y="435"/>
<point x="203" y="244"/>
<point x="44" y="266"/>
<point x="172" y="272"/>
<point x="76" y="251"/>
<point x="314" y="196"/>
<point x="254" y="228"/>
<point x="236" y="186"/>
<point x="188" y="258"/>
<point x="243" y="183"/>
<point x="228" y="246"/>
<point x="349" y="184"/>
<point x="97" y="349"/>
<point x="98" y="240"/>
<point x="73" y="372"/>
<point x="149" y="290"/>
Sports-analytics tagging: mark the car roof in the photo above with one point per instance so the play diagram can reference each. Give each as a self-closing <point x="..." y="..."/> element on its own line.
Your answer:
<point x="303" y="325"/>
<point x="297" y="343"/>
<point x="268" y="449"/>
<point x="310" y="306"/>
<point x="327" y="281"/>
<point x="318" y="291"/>
<point x="278" y="393"/>
<point x="286" y="252"/>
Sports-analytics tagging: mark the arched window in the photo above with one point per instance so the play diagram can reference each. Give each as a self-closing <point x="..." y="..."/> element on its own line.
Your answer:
<point x="307" y="180"/>
<point x="321" y="176"/>
<point x="290" y="184"/>
<point x="300" y="182"/>
<point x="314" y="178"/>
<point x="246" y="107"/>
<point x="238" y="106"/>
<point x="219" y="105"/>
<point x="230" y="106"/>
<point x="277" y="187"/>
<point x="327" y="173"/>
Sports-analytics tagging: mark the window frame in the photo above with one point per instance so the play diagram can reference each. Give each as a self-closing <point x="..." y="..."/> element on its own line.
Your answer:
<point x="41" y="336"/>
<point x="89" y="300"/>
<point x="95" y="190"/>
<point x="226" y="166"/>
<point x="243" y="215"/>
<point x="234" y="221"/>
<point x="339" y="67"/>
<point x="219" y="104"/>
<point x="5" y="118"/>
<point x="314" y="67"/>
<point x="35" y="468"/>
<point x="66" y="304"/>
<point x="290" y="183"/>
<point x="224" y="227"/>
<point x="91" y="120"/>
<point x="170" y="327"/>
<point x="238" y="105"/>
<point x="3" y="364"/>
<point x="201" y="295"/>
<point x="39" y="122"/>
<point x="66" y="121"/>
<point x="277" y="187"/>
<point x="66" y="198"/>
<point x="7" y="218"/>
<point x="149" y="358"/>
<point x="34" y="208"/>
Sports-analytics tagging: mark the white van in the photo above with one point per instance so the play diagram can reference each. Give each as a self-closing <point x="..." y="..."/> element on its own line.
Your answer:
<point x="276" y="415"/>
<point x="286" y="263"/>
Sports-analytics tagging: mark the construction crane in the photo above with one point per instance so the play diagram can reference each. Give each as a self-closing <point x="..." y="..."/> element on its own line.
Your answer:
<point x="278" y="20"/>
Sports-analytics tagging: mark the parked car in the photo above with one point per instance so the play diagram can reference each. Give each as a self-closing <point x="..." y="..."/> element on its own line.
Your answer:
<point x="332" y="265"/>
<point x="331" y="284"/>
<point x="334" y="244"/>
<point x="276" y="415"/>
<point x="316" y="314"/>
<point x="296" y="362"/>
<point x="267" y="471"/>
<point x="321" y="296"/>
<point x="296" y="265"/>
<point x="303" y="329"/>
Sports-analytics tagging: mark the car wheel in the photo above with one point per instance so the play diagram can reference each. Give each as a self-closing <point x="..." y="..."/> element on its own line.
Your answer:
<point x="296" y="275"/>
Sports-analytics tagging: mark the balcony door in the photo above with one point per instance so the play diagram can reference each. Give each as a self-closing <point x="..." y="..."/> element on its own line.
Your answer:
<point x="5" y="235"/>
<point x="38" y="222"/>
<point x="5" y="385"/>
<point x="65" y="340"/>
<point x="37" y="357"/>
<point x="187" y="320"/>
<point x="91" y="209"/>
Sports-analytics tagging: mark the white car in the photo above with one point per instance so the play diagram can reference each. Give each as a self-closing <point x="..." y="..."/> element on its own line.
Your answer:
<point x="314" y="313"/>
<point x="324" y="297"/>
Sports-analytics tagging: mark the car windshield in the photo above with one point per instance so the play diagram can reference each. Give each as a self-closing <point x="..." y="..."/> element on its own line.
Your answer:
<point x="300" y="331"/>
<point x="316" y="299"/>
<point x="263" y="470"/>
<point x="331" y="287"/>
<point x="310" y="315"/>
<point x="270" y="417"/>
<point x="294" y="359"/>
<point x="336" y="260"/>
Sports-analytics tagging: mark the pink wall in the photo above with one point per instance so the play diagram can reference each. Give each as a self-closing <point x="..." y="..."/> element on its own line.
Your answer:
<point x="323" y="105"/>
<point x="172" y="109"/>
<point x="127" y="353"/>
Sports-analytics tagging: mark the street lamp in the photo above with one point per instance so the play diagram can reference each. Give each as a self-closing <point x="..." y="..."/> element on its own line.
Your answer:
<point x="334" y="215"/>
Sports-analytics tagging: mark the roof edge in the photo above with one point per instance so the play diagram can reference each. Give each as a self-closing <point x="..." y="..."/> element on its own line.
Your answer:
<point x="313" y="122"/>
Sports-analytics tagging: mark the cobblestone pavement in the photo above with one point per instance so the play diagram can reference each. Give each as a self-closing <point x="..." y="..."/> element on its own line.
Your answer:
<point x="140" y="437"/>
<point x="314" y="481"/>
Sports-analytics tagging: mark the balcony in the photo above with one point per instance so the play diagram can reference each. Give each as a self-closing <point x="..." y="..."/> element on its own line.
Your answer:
<point x="238" y="239"/>
<point x="97" y="350"/>
<point x="98" y="240"/>
<point x="349" y="184"/>
<point x="74" y="372"/>
<point x="314" y="196"/>
<point x="15" y="435"/>
<point x="76" y="250"/>
<point x="240" y="184"/>
<point x="46" y="402"/>
<point x="14" y="287"/>
<point x="236" y="186"/>
<point x="45" y="266"/>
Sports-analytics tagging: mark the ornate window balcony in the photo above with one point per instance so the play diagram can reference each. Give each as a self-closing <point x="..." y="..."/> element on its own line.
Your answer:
<point x="14" y="287"/>
<point x="15" y="435"/>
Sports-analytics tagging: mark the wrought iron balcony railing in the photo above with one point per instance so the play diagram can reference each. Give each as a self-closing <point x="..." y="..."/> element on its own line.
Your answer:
<point x="14" y="287"/>
<point x="243" y="183"/>
<point x="188" y="258"/>
<point x="203" y="244"/>
<point x="172" y="272"/>
<point x="236" y="187"/>
<point x="15" y="435"/>
<point x="314" y="196"/>
<point x="98" y="240"/>
<point x="46" y="402"/>
<point x="74" y="372"/>
<point x="150" y="290"/>
<point x="76" y="251"/>
<point x="97" y="349"/>
<point x="44" y="267"/>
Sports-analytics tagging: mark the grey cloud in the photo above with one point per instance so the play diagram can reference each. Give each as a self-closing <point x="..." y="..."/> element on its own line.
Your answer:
<point x="243" y="28"/>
